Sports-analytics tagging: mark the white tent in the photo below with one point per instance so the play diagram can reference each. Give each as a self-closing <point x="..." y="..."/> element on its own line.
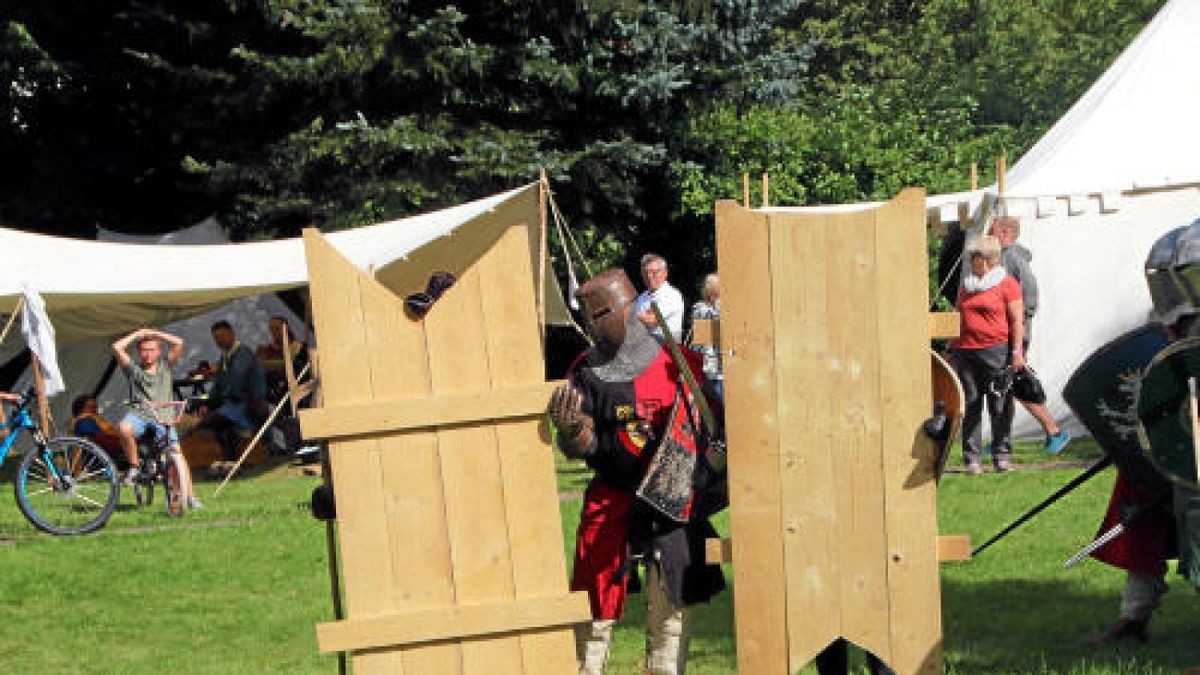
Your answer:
<point x="88" y="359"/>
<point x="96" y="290"/>
<point x="1121" y="168"/>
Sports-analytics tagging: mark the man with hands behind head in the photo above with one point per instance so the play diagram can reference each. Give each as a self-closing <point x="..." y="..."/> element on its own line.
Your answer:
<point x="150" y="383"/>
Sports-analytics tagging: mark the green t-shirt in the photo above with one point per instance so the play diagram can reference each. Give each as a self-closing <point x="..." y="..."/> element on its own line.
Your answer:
<point x="156" y="387"/>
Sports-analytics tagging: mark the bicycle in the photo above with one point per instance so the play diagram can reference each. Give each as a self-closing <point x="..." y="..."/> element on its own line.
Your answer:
<point x="65" y="485"/>
<point x="156" y="463"/>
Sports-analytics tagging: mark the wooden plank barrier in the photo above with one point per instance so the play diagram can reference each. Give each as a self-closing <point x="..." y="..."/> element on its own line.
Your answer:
<point x="825" y="339"/>
<point x="943" y="325"/>
<point x="448" y="520"/>
<point x="950" y="548"/>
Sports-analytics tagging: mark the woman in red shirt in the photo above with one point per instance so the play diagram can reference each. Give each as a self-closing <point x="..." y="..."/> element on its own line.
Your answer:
<point x="991" y="332"/>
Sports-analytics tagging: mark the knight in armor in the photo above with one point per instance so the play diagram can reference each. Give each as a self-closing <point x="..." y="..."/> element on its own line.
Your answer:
<point x="613" y="414"/>
<point x="1166" y="526"/>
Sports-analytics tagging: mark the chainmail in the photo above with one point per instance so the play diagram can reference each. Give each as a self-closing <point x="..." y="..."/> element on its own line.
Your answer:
<point x="633" y="356"/>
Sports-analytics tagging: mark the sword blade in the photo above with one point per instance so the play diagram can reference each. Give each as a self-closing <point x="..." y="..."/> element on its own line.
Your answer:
<point x="1136" y="514"/>
<point x="1113" y="532"/>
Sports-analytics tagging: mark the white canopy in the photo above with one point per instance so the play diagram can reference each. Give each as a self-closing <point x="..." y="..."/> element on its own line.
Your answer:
<point x="1120" y="169"/>
<point x="97" y="289"/>
<point x="1135" y="127"/>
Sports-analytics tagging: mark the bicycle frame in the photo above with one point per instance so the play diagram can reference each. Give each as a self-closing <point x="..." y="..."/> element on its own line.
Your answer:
<point x="21" y="420"/>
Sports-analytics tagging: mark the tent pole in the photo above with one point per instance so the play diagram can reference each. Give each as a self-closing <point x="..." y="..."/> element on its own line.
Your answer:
<point x="974" y="176"/>
<point x="543" y="252"/>
<point x="746" y="189"/>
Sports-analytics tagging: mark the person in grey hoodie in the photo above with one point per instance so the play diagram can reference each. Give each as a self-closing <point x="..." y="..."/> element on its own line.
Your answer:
<point x="1016" y="260"/>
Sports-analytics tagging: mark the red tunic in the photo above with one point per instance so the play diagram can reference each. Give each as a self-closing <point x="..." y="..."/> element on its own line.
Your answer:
<point x="621" y="411"/>
<point x="1145" y="546"/>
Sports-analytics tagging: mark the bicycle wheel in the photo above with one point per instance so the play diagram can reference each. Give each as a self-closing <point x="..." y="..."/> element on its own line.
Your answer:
<point x="68" y="487"/>
<point x="173" y="490"/>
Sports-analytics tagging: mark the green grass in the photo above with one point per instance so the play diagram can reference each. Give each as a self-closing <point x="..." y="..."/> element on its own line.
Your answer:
<point x="238" y="587"/>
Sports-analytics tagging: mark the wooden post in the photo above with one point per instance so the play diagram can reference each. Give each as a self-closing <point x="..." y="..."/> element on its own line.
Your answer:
<point x="39" y="384"/>
<point x="974" y="176"/>
<point x="543" y="252"/>
<point x="289" y="368"/>
<point x="766" y="183"/>
<point x="746" y="190"/>
<point x="1001" y="170"/>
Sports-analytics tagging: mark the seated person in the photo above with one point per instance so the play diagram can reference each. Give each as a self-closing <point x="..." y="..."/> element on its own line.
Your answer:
<point x="10" y="398"/>
<point x="237" y="396"/>
<point x="270" y="356"/>
<point x="86" y="422"/>
<point x="149" y="381"/>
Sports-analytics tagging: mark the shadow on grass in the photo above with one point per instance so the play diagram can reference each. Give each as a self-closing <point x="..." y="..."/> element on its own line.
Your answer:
<point x="1025" y="626"/>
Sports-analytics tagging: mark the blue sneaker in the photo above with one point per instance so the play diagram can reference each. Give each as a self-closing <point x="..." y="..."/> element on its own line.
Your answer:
<point x="1056" y="443"/>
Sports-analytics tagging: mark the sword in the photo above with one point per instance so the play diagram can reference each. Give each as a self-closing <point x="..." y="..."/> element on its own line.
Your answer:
<point x="1058" y="494"/>
<point x="1117" y="530"/>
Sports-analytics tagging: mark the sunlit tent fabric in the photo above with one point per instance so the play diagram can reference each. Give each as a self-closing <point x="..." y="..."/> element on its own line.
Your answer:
<point x="95" y="289"/>
<point x="1120" y="169"/>
<point x="88" y="360"/>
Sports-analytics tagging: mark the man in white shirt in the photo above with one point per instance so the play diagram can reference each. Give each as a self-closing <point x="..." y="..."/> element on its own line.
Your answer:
<point x="669" y="299"/>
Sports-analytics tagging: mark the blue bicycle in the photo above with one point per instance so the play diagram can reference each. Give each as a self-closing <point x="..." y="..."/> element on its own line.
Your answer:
<point x="64" y="485"/>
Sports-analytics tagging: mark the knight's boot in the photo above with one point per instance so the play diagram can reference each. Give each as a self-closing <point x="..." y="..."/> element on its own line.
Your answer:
<point x="1133" y="630"/>
<point x="668" y="630"/>
<point x="591" y="645"/>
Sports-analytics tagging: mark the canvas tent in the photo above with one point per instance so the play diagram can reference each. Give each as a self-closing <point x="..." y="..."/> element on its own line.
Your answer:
<point x="87" y="360"/>
<point x="96" y="290"/>
<point x="1121" y="168"/>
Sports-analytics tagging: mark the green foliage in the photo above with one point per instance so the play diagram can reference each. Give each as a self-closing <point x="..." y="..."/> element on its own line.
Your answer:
<point x="145" y="115"/>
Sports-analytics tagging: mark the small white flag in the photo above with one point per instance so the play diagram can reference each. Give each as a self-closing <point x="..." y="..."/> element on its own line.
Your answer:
<point x="39" y="335"/>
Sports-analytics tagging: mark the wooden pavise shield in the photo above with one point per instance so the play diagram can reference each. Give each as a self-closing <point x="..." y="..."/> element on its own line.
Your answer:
<point x="825" y="342"/>
<point x="448" y="518"/>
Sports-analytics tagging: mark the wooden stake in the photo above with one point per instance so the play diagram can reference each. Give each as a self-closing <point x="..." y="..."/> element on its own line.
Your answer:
<point x="543" y="253"/>
<point x="974" y="176"/>
<point x="289" y="369"/>
<point x="766" y="191"/>
<point x="746" y="190"/>
<point x="1001" y="170"/>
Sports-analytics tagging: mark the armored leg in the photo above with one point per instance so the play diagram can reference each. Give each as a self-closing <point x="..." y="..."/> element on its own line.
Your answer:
<point x="1139" y="598"/>
<point x="591" y="645"/>
<point x="668" y="630"/>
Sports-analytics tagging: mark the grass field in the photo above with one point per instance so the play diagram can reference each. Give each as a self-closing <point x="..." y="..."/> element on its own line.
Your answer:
<point x="237" y="587"/>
